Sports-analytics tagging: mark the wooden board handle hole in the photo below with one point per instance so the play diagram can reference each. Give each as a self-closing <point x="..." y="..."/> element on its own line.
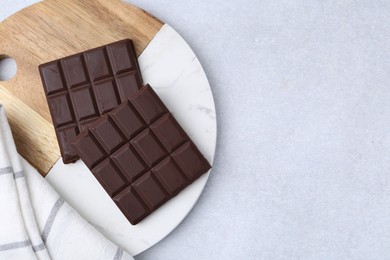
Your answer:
<point x="8" y="67"/>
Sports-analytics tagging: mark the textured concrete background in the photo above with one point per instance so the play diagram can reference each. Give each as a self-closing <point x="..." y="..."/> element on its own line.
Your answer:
<point x="302" y="168"/>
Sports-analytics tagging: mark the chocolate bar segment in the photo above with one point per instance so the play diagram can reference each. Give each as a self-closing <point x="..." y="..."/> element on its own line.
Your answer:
<point x="82" y="87"/>
<point x="140" y="154"/>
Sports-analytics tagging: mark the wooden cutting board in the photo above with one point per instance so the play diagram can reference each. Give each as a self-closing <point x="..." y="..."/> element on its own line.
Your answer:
<point x="50" y="30"/>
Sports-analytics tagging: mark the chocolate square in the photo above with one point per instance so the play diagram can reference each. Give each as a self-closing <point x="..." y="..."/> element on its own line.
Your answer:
<point x="130" y="205"/>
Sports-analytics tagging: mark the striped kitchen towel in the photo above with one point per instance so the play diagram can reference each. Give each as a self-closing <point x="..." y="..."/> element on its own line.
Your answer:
<point x="35" y="222"/>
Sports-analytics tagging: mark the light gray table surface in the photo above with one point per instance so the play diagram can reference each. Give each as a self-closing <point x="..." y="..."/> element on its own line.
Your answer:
<point x="302" y="90"/>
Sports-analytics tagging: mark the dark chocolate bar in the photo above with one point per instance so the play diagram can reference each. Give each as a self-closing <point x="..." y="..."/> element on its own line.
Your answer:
<point x="82" y="87"/>
<point x="140" y="154"/>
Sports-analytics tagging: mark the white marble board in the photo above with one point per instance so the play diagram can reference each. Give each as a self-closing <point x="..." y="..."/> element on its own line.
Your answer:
<point x="169" y="65"/>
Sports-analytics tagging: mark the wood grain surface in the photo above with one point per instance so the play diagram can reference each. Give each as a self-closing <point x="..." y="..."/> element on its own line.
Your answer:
<point x="50" y="30"/>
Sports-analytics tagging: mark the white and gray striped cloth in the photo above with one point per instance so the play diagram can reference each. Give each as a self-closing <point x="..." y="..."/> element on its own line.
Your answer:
<point x="35" y="223"/>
